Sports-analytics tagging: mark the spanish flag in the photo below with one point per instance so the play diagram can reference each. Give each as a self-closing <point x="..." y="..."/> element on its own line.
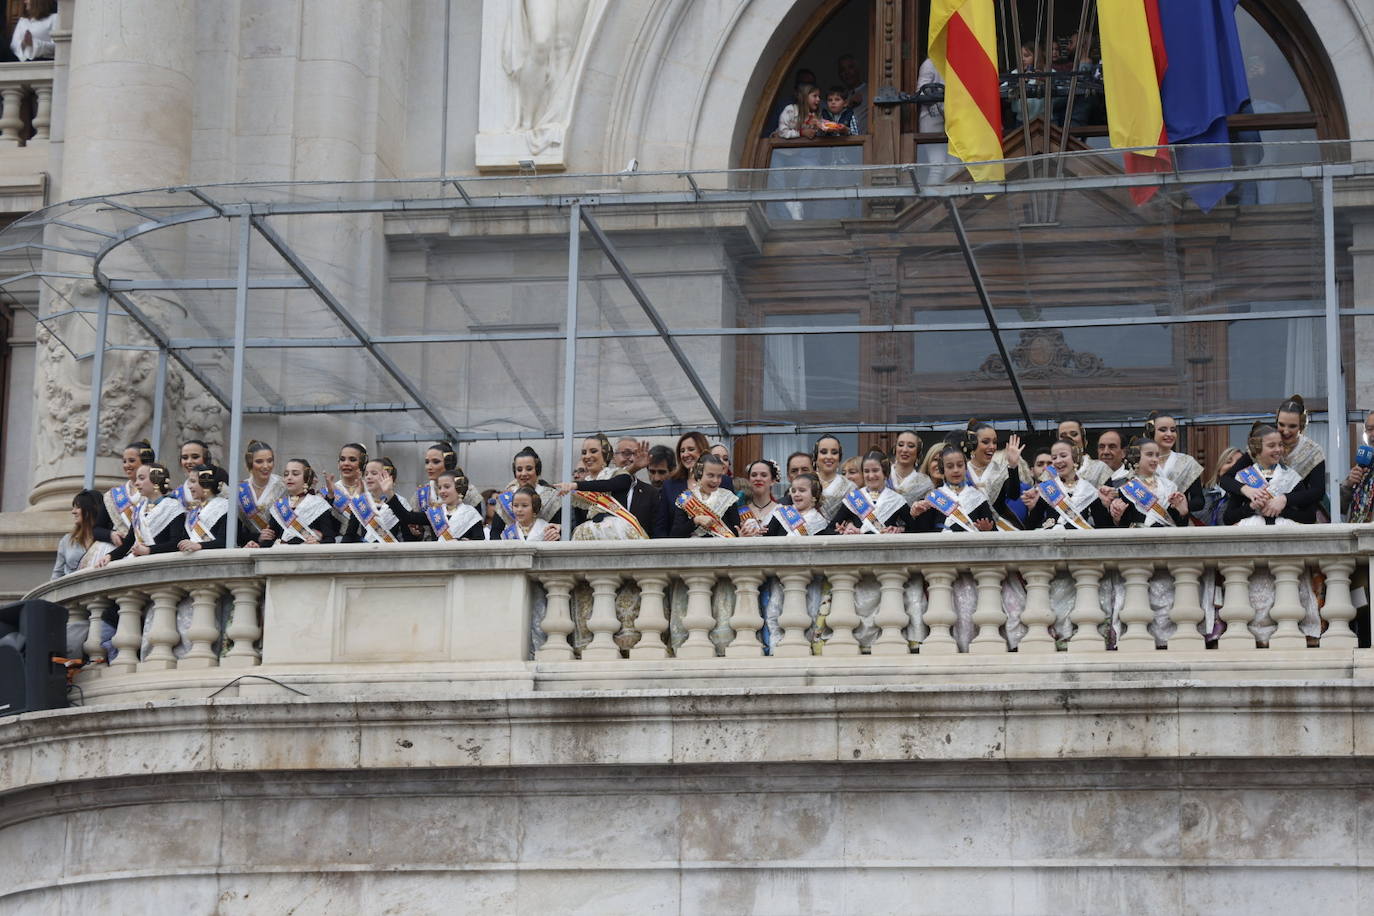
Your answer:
<point x="1133" y="64"/>
<point x="963" y="46"/>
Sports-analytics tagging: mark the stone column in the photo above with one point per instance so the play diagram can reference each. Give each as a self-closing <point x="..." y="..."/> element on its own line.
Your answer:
<point x="127" y="124"/>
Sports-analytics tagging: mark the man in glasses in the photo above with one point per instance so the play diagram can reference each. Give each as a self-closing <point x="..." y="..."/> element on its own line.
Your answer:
<point x="642" y="500"/>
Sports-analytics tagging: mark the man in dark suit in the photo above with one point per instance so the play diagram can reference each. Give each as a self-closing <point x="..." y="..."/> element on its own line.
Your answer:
<point x="642" y="500"/>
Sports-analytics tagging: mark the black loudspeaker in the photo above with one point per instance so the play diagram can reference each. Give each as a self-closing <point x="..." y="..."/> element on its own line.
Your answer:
<point x="31" y="633"/>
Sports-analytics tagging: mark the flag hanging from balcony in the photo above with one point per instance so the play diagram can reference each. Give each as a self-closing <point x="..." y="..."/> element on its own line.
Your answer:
<point x="1134" y="60"/>
<point x="1204" y="84"/>
<point x="963" y="46"/>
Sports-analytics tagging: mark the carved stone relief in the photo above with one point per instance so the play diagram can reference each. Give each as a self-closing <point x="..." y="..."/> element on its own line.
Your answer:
<point x="533" y="54"/>
<point x="1044" y="354"/>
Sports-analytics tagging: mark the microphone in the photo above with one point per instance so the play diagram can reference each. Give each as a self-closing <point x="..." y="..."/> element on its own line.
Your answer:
<point x="1364" y="456"/>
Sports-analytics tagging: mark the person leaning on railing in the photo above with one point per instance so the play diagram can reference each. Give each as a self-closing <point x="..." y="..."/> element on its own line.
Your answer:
<point x="80" y="548"/>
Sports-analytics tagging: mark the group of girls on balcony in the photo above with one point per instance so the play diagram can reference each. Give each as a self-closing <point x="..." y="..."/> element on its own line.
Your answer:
<point x="970" y="482"/>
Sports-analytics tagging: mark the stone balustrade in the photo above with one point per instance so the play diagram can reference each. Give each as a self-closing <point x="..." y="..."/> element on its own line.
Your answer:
<point x="18" y="126"/>
<point x="485" y="616"/>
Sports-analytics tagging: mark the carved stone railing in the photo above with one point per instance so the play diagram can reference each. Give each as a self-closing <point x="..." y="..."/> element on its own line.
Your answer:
<point x="19" y="124"/>
<point x="492" y="616"/>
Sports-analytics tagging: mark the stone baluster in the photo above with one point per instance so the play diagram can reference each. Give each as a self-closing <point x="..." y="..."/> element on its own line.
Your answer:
<point x="652" y="621"/>
<point x="204" y="629"/>
<point x="1037" y="616"/>
<point x="843" y="618"/>
<point x="129" y="633"/>
<point x="1136" y="613"/>
<point x="162" y="635"/>
<point x="698" y="620"/>
<point x="95" y="652"/>
<point x="244" y="629"/>
<point x="793" y="620"/>
<point x="11" y="96"/>
<point x="939" y="616"/>
<point x="603" y="622"/>
<point x="892" y="617"/>
<point x="1339" y="610"/>
<point x="1186" y="613"/>
<point x="988" y="615"/>
<point x="1087" y="613"/>
<point x="746" y="620"/>
<point x="1288" y="610"/>
<point x="42" y="112"/>
<point x="1235" y="606"/>
<point x="558" y="622"/>
<point x="77" y="629"/>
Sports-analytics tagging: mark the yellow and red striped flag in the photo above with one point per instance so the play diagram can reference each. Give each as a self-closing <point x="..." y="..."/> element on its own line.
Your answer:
<point x="1133" y="65"/>
<point x="963" y="45"/>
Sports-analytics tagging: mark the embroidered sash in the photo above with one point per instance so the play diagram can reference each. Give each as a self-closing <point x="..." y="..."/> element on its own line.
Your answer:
<point x="452" y="527"/>
<point x="367" y="516"/>
<point x="201" y="520"/>
<point x="857" y="501"/>
<point x="249" y="505"/>
<point x="125" y="504"/>
<point x="952" y="505"/>
<point x="1144" y="499"/>
<point x="1279" y="481"/>
<point x="688" y="501"/>
<point x="1052" y="491"/>
<point x="297" y="521"/>
<point x="609" y="504"/>
<point x="792" y="520"/>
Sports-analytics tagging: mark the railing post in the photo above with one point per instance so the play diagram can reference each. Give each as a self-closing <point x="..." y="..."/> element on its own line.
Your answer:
<point x="988" y="615"/>
<point x="843" y="618"/>
<point x="940" y="618"/>
<point x="1136" y="613"/>
<point x="793" y="620"/>
<point x="1339" y="610"/>
<point x="652" y="622"/>
<point x="892" y="617"/>
<point x="243" y="629"/>
<point x="11" y="96"/>
<point x="698" y="620"/>
<point x="1037" y="617"/>
<point x="1087" y="613"/>
<point x="162" y="635"/>
<point x="204" y="630"/>
<point x="95" y="651"/>
<point x="558" y="622"/>
<point x="1187" y="610"/>
<point x="42" y="112"/>
<point x="128" y="635"/>
<point x="1235" y="607"/>
<point x="1287" y="610"/>
<point x="603" y="622"/>
<point x="746" y="620"/>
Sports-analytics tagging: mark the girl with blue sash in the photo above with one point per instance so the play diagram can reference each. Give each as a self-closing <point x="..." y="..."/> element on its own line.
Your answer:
<point x="378" y="510"/>
<point x="300" y="515"/>
<point x="340" y="492"/>
<point x="875" y="508"/>
<point x="526" y="506"/>
<point x="121" y="502"/>
<point x="453" y="519"/>
<point x="262" y="488"/>
<point x="1081" y="504"/>
<point x="194" y="454"/>
<point x="527" y="470"/>
<point x="154" y="523"/>
<point x="207" y="521"/>
<point x="801" y="518"/>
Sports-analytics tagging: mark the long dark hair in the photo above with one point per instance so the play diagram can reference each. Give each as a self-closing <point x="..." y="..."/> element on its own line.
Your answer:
<point x="89" y="503"/>
<point x="703" y="448"/>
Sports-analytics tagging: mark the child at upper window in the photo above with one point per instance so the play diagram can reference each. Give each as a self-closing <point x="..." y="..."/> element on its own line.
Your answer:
<point x="838" y="111"/>
<point x="803" y="117"/>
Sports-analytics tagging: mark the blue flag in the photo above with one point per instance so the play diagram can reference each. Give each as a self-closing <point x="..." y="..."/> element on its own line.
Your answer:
<point x="1205" y="83"/>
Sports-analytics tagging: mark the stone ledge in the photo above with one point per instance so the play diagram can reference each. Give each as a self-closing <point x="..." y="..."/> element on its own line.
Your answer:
<point x="1166" y="719"/>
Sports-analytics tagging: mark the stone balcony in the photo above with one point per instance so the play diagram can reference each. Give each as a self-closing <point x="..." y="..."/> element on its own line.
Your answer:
<point x="352" y="727"/>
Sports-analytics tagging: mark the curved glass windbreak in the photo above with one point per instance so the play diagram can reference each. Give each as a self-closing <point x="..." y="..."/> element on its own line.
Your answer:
<point x="756" y="302"/>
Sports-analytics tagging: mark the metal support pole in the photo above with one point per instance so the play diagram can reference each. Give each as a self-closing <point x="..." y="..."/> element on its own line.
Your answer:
<point x="570" y="359"/>
<point x="231" y="464"/>
<point x="443" y="95"/>
<point x="102" y="327"/>
<point x="613" y="255"/>
<point x="977" y="278"/>
<point x="1335" y="378"/>
<point x="159" y="399"/>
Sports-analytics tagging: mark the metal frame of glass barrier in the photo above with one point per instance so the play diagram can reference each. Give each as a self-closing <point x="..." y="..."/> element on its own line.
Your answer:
<point x="255" y="205"/>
